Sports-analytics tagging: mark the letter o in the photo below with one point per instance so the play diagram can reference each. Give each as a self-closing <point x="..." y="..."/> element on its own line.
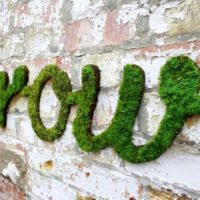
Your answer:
<point x="61" y="86"/>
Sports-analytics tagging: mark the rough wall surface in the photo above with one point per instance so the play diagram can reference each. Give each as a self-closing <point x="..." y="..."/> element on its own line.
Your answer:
<point x="109" y="34"/>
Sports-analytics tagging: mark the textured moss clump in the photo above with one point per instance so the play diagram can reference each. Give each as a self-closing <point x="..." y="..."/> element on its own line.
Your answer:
<point x="179" y="86"/>
<point x="19" y="80"/>
<point x="61" y="87"/>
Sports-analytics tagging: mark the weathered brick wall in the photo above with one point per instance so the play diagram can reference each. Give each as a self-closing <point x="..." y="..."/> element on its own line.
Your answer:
<point x="109" y="34"/>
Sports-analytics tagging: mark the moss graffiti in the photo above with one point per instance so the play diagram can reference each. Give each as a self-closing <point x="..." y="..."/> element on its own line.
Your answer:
<point x="179" y="85"/>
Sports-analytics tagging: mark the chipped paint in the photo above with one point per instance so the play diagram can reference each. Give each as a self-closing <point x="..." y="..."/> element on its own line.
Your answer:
<point x="11" y="171"/>
<point x="47" y="165"/>
<point x="157" y="22"/>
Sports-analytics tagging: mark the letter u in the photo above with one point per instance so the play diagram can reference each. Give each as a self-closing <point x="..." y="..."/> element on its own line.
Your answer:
<point x="179" y="86"/>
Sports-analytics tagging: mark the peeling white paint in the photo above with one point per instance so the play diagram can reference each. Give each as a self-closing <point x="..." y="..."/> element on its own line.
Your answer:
<point x="82" y="9"/>
<point x="129" y="13"/>
<point x="4" y="17"/>
<point x="25" y="20"/>
<point x="97" y="30"/>
<point x="179" y="15"/>
<point x="11" y="171"/>
<point x="157" y="22"/>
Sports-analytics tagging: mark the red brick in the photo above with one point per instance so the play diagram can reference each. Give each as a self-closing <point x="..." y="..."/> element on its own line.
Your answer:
<point x="115" y="33"/>
<point x="74" y="33"/>
<point x="7" y="188"/>
<point x="71" y="36"/>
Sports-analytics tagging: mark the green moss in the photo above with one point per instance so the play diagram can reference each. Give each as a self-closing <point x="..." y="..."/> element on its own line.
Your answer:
<point x="61" y="87"/>
<point x="179" y="86"/>
<point x="8" y="91"/>
<point x="130" y="95"/>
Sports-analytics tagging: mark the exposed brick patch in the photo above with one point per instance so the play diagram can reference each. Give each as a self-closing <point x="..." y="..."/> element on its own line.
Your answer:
<point x="115" y="33"/>
<point x="71" y="37"/>
<point x="155" y="48"/>
<point x="74" y="34"/>
<point x="9" y="191"/>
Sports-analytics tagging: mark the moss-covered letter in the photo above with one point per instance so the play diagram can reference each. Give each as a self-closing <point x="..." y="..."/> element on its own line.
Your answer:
<point x="19" y="80"/>
<point x="61" y="86"/>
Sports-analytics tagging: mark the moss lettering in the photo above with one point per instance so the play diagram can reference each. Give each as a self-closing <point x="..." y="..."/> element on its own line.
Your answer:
<point x="178" y="88"/>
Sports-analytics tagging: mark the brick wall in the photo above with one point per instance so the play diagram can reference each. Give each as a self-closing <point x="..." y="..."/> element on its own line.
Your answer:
<point x="109" y="34"/>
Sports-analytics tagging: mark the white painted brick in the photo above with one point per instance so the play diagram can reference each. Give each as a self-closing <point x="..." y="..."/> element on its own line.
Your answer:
<point x="81" y="10"/>
<point x="48" y="188"/>
<point x="49" y="105"/>
<point x="106" y="106"/>
<point x="109" y="65"/>
<point x="98" y="27"/>
<point x="86" y="175"/>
